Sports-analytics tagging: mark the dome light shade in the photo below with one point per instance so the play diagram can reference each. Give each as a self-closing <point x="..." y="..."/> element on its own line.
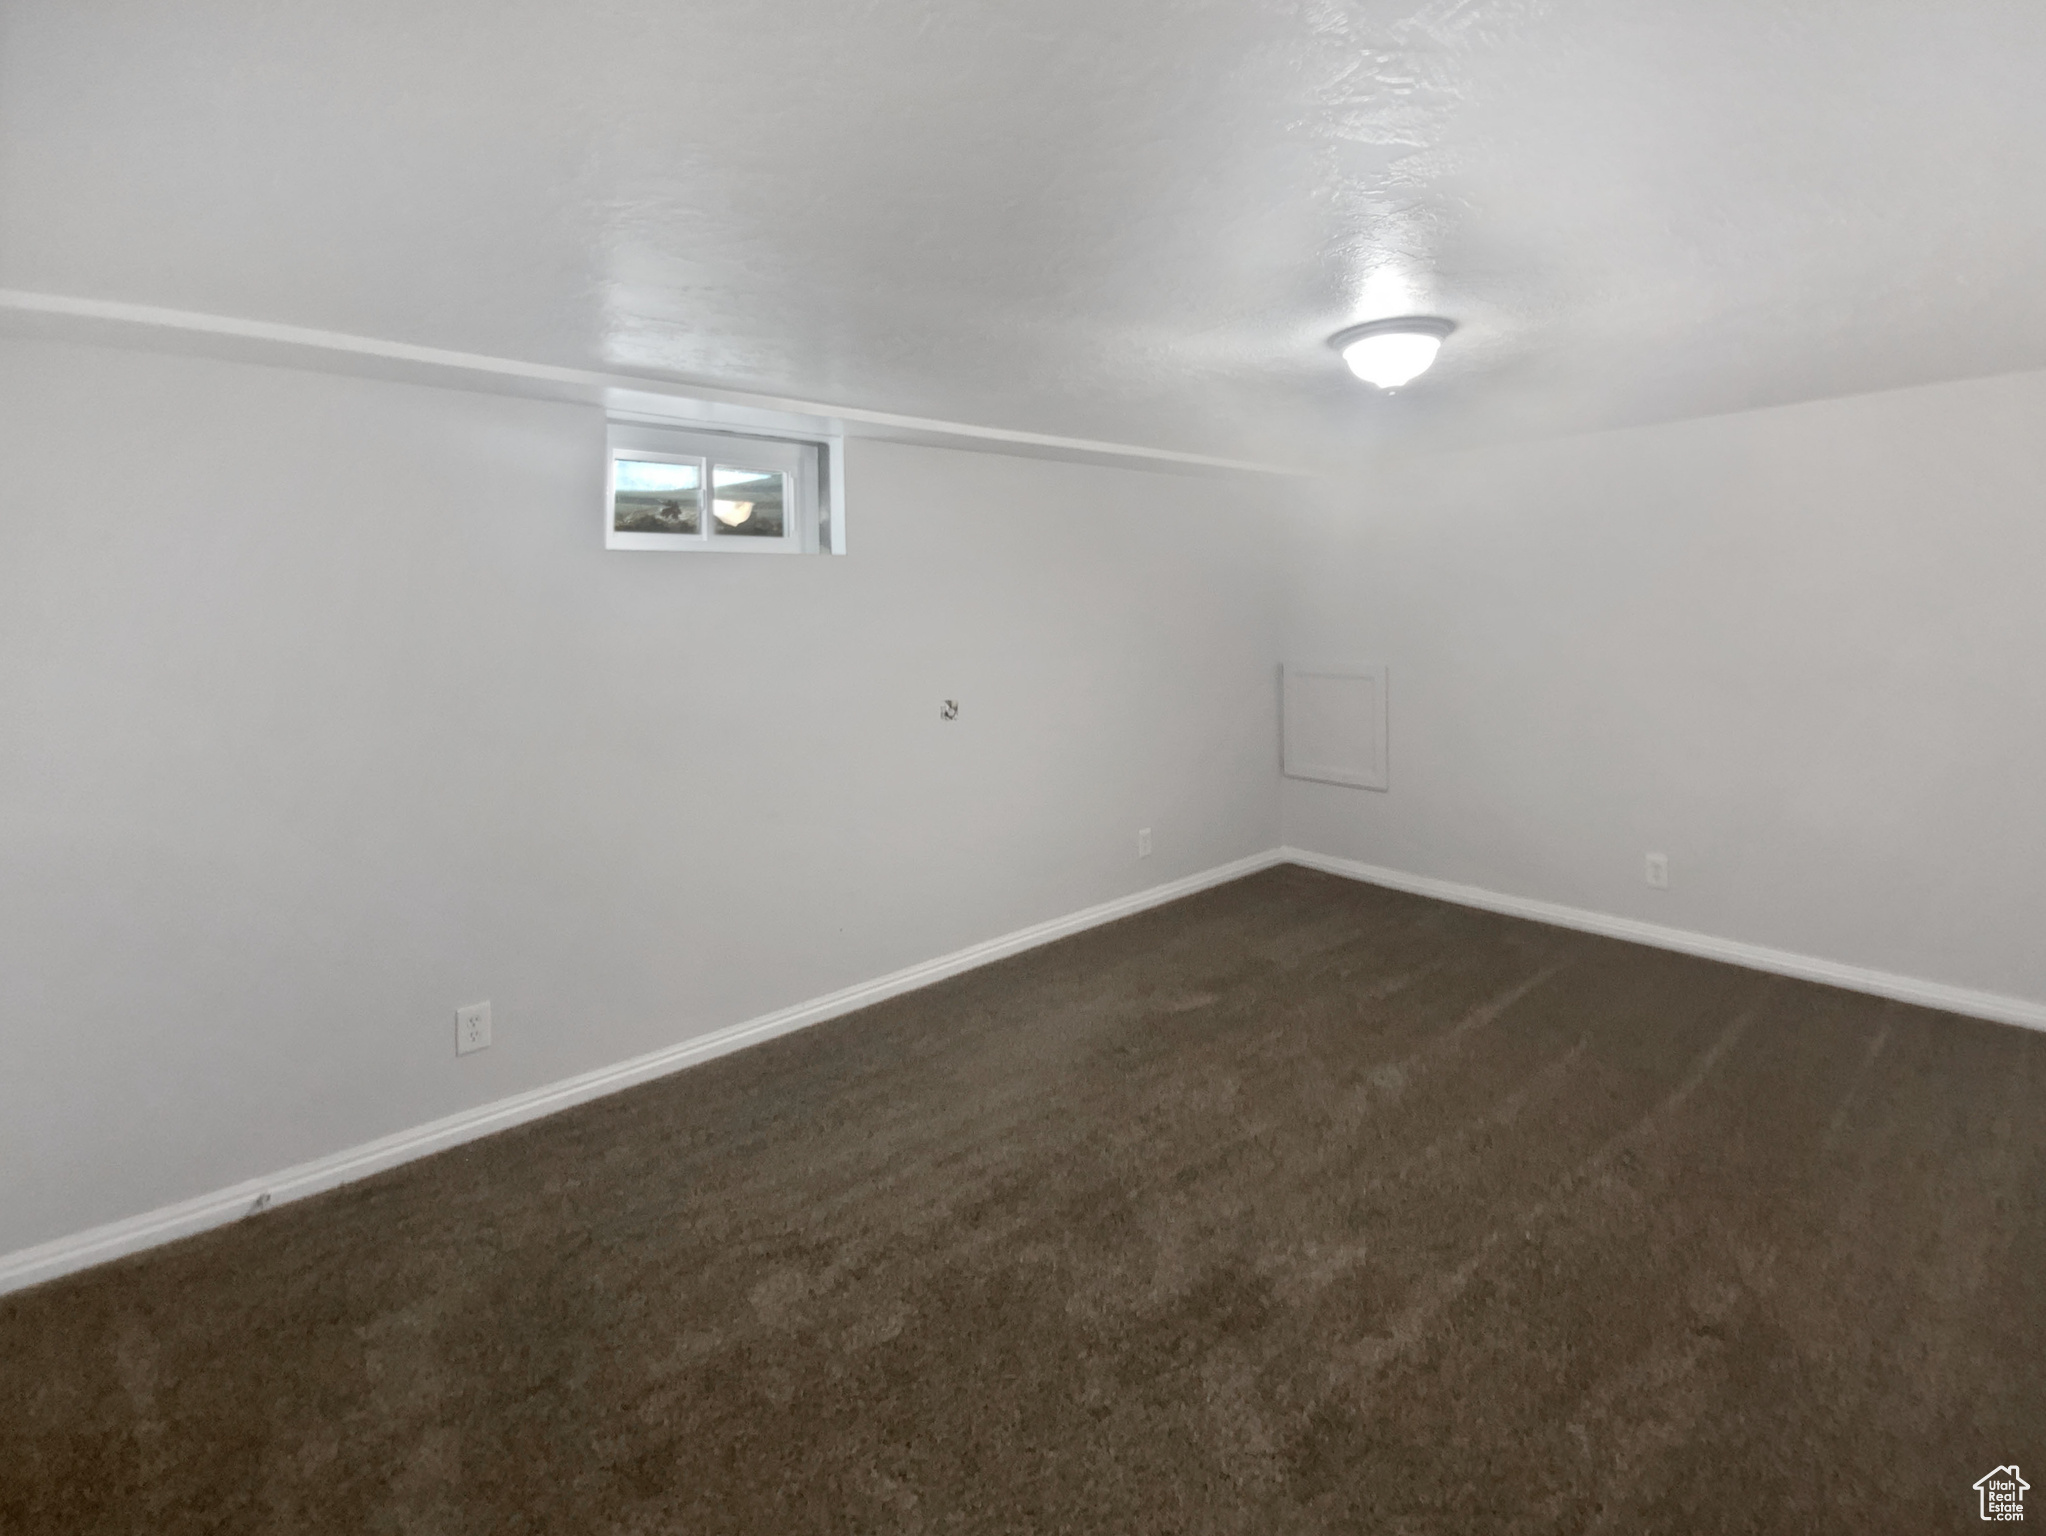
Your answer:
<point x="1390" y="353"/>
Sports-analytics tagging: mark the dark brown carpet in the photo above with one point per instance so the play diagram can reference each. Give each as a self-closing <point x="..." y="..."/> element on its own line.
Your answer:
<point x="1296" y="1206"/>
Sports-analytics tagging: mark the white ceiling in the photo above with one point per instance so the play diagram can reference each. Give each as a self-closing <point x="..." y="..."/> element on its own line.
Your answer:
<point x="1133" y="220"/>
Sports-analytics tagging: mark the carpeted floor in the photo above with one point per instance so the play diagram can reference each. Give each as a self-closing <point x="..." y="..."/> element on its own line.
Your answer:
<point x="1297" y="1206"/>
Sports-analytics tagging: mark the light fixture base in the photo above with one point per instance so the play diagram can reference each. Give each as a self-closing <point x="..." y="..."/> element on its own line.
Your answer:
<point x="1406" y="325"/>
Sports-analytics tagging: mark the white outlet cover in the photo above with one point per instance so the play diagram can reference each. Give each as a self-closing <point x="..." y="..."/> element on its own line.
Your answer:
<point x="1144" y="843"/>
<point x="1658" y="871"/>
<point x="472" y="1028"/>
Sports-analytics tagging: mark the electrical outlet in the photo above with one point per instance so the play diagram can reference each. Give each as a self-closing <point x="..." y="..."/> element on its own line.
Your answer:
<point x="472" y="1028"/>
<point x="1143" y="842"/>
<point x="1658" y="871"/>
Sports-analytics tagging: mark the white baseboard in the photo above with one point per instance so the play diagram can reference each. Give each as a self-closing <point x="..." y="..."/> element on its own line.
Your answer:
<point x="64" y="1255"/>
<point x="1906" y="989"/>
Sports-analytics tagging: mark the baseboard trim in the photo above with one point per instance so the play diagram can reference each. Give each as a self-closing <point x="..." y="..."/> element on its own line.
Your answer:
<point x="66" y="1255"/>
<point x="1904" y="989"/>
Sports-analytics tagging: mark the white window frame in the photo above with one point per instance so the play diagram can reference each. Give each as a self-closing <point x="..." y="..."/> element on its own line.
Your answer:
<point x="813" y="517"/>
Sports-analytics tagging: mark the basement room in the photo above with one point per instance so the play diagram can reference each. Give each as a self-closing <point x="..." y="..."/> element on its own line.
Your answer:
<point x="1256" y="767"/>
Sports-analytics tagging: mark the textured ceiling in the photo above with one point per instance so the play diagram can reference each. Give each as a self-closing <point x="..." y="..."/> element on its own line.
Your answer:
<point x="1134" y="220"/>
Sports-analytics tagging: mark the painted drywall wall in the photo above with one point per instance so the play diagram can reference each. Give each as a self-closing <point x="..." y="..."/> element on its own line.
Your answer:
<point x="323" y="711"/>
<point x="1797" y="650"/>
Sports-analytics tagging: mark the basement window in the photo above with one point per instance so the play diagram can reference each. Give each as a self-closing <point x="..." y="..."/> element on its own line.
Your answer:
<point x="680" y="490"/>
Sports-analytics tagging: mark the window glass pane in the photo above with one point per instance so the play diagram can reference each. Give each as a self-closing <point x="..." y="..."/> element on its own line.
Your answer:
<point x="650" y="497"/>
<point x="749" y="502"/>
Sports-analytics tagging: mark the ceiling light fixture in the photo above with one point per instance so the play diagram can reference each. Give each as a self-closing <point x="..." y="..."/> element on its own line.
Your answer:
<point x="1390" y="353"/>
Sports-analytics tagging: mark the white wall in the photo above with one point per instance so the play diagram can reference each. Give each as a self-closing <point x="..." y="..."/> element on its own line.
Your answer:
<point x="1802" y="651"/>
<point x="322" y="710"/>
